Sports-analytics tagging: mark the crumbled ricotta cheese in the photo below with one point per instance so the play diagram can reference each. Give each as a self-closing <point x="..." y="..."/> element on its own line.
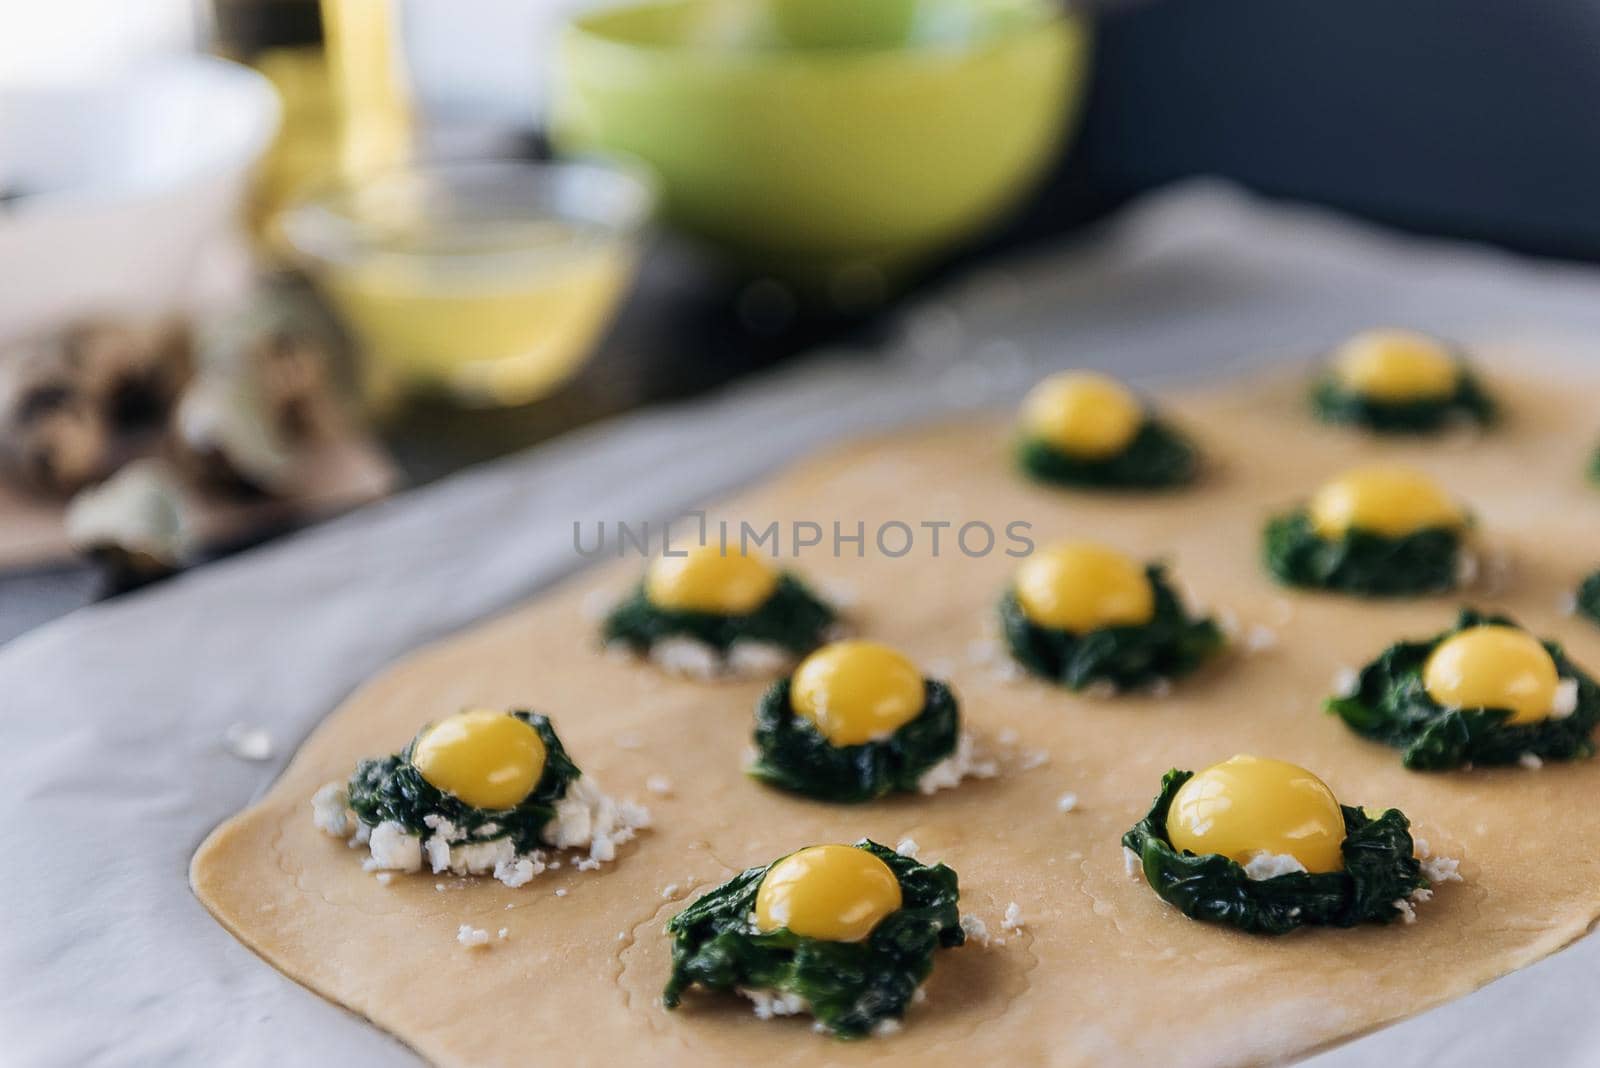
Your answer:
<point x="1035" y="758"/>
<point x="1008" y="736"/>
<point x="1067" y="802"/>
<point x="991" y="654"/>
<point x="561" y="892"/>
<point x="907" y="848"/>
<point x="769" y="1004"/>
<point x="1260" y="638"/>
<point x="966" y="762"/>
<point x="696" y="660"/>
<point x="585" y="817"/>
<point x="1012" y="920"/>
<point x="472" y="937"/>
<point x="384" y="878"/>
<point x="1346" y="682"/>
<point x="886" y="1027"/>
<point x="975" y="928"/>
<point x="1565" y="702"/>
<point x="1530" y="761"/>
<point x="669" y="891"/>
<point x="330" y="810"/>
<point x="247" y="742"/>
<point x="1264" y="865"/>
<point x="1131" y="864"/>
<point x="503" y="934"/>
<point x="1441" y="869"/>
<point x="659" y="785"/>
<point x="1408" y="911"/>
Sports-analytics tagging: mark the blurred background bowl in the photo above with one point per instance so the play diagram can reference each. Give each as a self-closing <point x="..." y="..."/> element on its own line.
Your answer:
<point x="816" y="138"/>
<point x="112" y="192"/>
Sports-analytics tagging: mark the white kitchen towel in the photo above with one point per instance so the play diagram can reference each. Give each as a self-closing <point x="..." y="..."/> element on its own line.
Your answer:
<point x="113" y="720"/>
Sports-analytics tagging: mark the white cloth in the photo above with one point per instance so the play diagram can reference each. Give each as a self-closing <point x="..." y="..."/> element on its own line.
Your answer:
<point x="114" y="717"/>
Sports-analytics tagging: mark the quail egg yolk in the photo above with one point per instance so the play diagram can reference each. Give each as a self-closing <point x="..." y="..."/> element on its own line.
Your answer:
<point x="1083" y="414"/>
<point x="486" y="758"/>
<point x="856" y="692"/>
<point x="1396" y="366"/>
<point x="1079" y="587"/>
<point x="1493" y="666"/>
<point x="1249" y="805"/>
<point x="835" y="893"/>
<point x="708" y="579"/>
<point x="1391" y="501"/>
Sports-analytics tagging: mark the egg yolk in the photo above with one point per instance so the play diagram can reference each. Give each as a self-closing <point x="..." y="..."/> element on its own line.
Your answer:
<point x="835" y="893"/>
<point x="1396" y="366"/>
<point x="856" y="692"/>
<point x="1493" y="666"/>
<point x="1082" y="413"/>
<point x="1391" y="501"/>
<point x="1250" y="804"/>
<point x="488" y="759"/>
<point x="1079" y="587"/>
<point x="707" y="579"/>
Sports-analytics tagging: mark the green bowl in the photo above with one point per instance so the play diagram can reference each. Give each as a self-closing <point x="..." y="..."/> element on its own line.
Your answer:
<point x="814" y="137"/>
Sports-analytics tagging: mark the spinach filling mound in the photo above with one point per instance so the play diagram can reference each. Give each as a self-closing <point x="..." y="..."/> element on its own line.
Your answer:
<point x="1171" y="644"/>
<point x="1158" y="457"/>
<point x="1333" y="403"/>
<point x="848" y="987"/>
<point x="1588" y="598"/>
<point x="793" y="755"/>
<point x="1361" y="561"/>
<point x="1391" y="706"/>
<point x="793" y="618"/>
<point x="1379" y="873"/>
<point x="392" y="789"/>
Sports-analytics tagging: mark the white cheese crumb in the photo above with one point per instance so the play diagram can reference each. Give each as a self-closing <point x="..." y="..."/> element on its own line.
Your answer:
<point x="247" y="742"/>
<point x="769" y="1004"/>
<point x="393" y="849"/>
<point x="1346" y="682"/>
<point x="330" y="810"/>
<point x="1012" y="920"/>
<point x="669" y="891"/>
<point x="1530" y="761"/>
<point x="596" y="604"/>
<point x="1008" y="736"/>
<point x="966" y="762"/>
<point x="697" y="660"/>
<point x="1264" y="865"/>
<point x="659" y="784"/>
<point x="975" y="928"/>
<point x="885" y="1027"/>
<point x="1035" y="758"/>
<point x="1565" y="702"/>
<point x="756" y="660"/>
<point x="907" y="848"/>
<point x="918" y="996"/>
<point x="1441" y="869"/>
<point x="1227" y="622"/>
<point x="471" y="936"/>
<point x="1131" y="864"/>
<point x="1260" y="638"/>
<point x="503" y="934"/>
<point x="384" y="878"/>
<point x="1067" y="802"/>
<point x="561" y="892"/>
<point x="1408" y="911"/>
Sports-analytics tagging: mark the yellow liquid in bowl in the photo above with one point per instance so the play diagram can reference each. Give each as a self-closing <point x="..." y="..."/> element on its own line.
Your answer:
<point x="490" y="332"/>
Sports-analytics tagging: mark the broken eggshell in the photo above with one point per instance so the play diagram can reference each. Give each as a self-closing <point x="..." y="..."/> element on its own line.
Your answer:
<point x="135" y="524"/>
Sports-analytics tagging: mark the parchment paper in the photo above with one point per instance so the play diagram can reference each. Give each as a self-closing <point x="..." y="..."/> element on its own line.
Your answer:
<point x="115" y="716"/>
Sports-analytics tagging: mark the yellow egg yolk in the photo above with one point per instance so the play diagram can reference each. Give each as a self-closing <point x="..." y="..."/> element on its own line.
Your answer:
<point x="1396" y="366"/>
<point x="1083" y="414"/>
<point x="856" y="691"/>
<point x="1249" y="805"/>
<point x="488" y="759"/>
<point x="1493" y="666"/>
<point x="707" y="579"/>
<point x="835" y="893"/>
<point x="1391" y="501"/>
<point x="1079" y="587"/>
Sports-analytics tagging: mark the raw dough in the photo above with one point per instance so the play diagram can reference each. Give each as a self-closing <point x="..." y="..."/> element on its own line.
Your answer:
<point x="1102" y="971"/>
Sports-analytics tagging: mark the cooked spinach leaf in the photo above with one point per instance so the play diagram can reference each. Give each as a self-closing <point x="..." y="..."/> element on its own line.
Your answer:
<point x="1379" y="870"/>
<point x="1333" y="403"/>
<point x="1361" y="561"/>
<point x="793" y="618"/>
<point x="793" y="755"/>
<point x="392" y="789"/>
<point x="1391" y="706"/>
<point x="1173" y="643"/>
<point x="1588" y="598"/>
<point x="1159" y="457"/>
<point x="849" y="987"/>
